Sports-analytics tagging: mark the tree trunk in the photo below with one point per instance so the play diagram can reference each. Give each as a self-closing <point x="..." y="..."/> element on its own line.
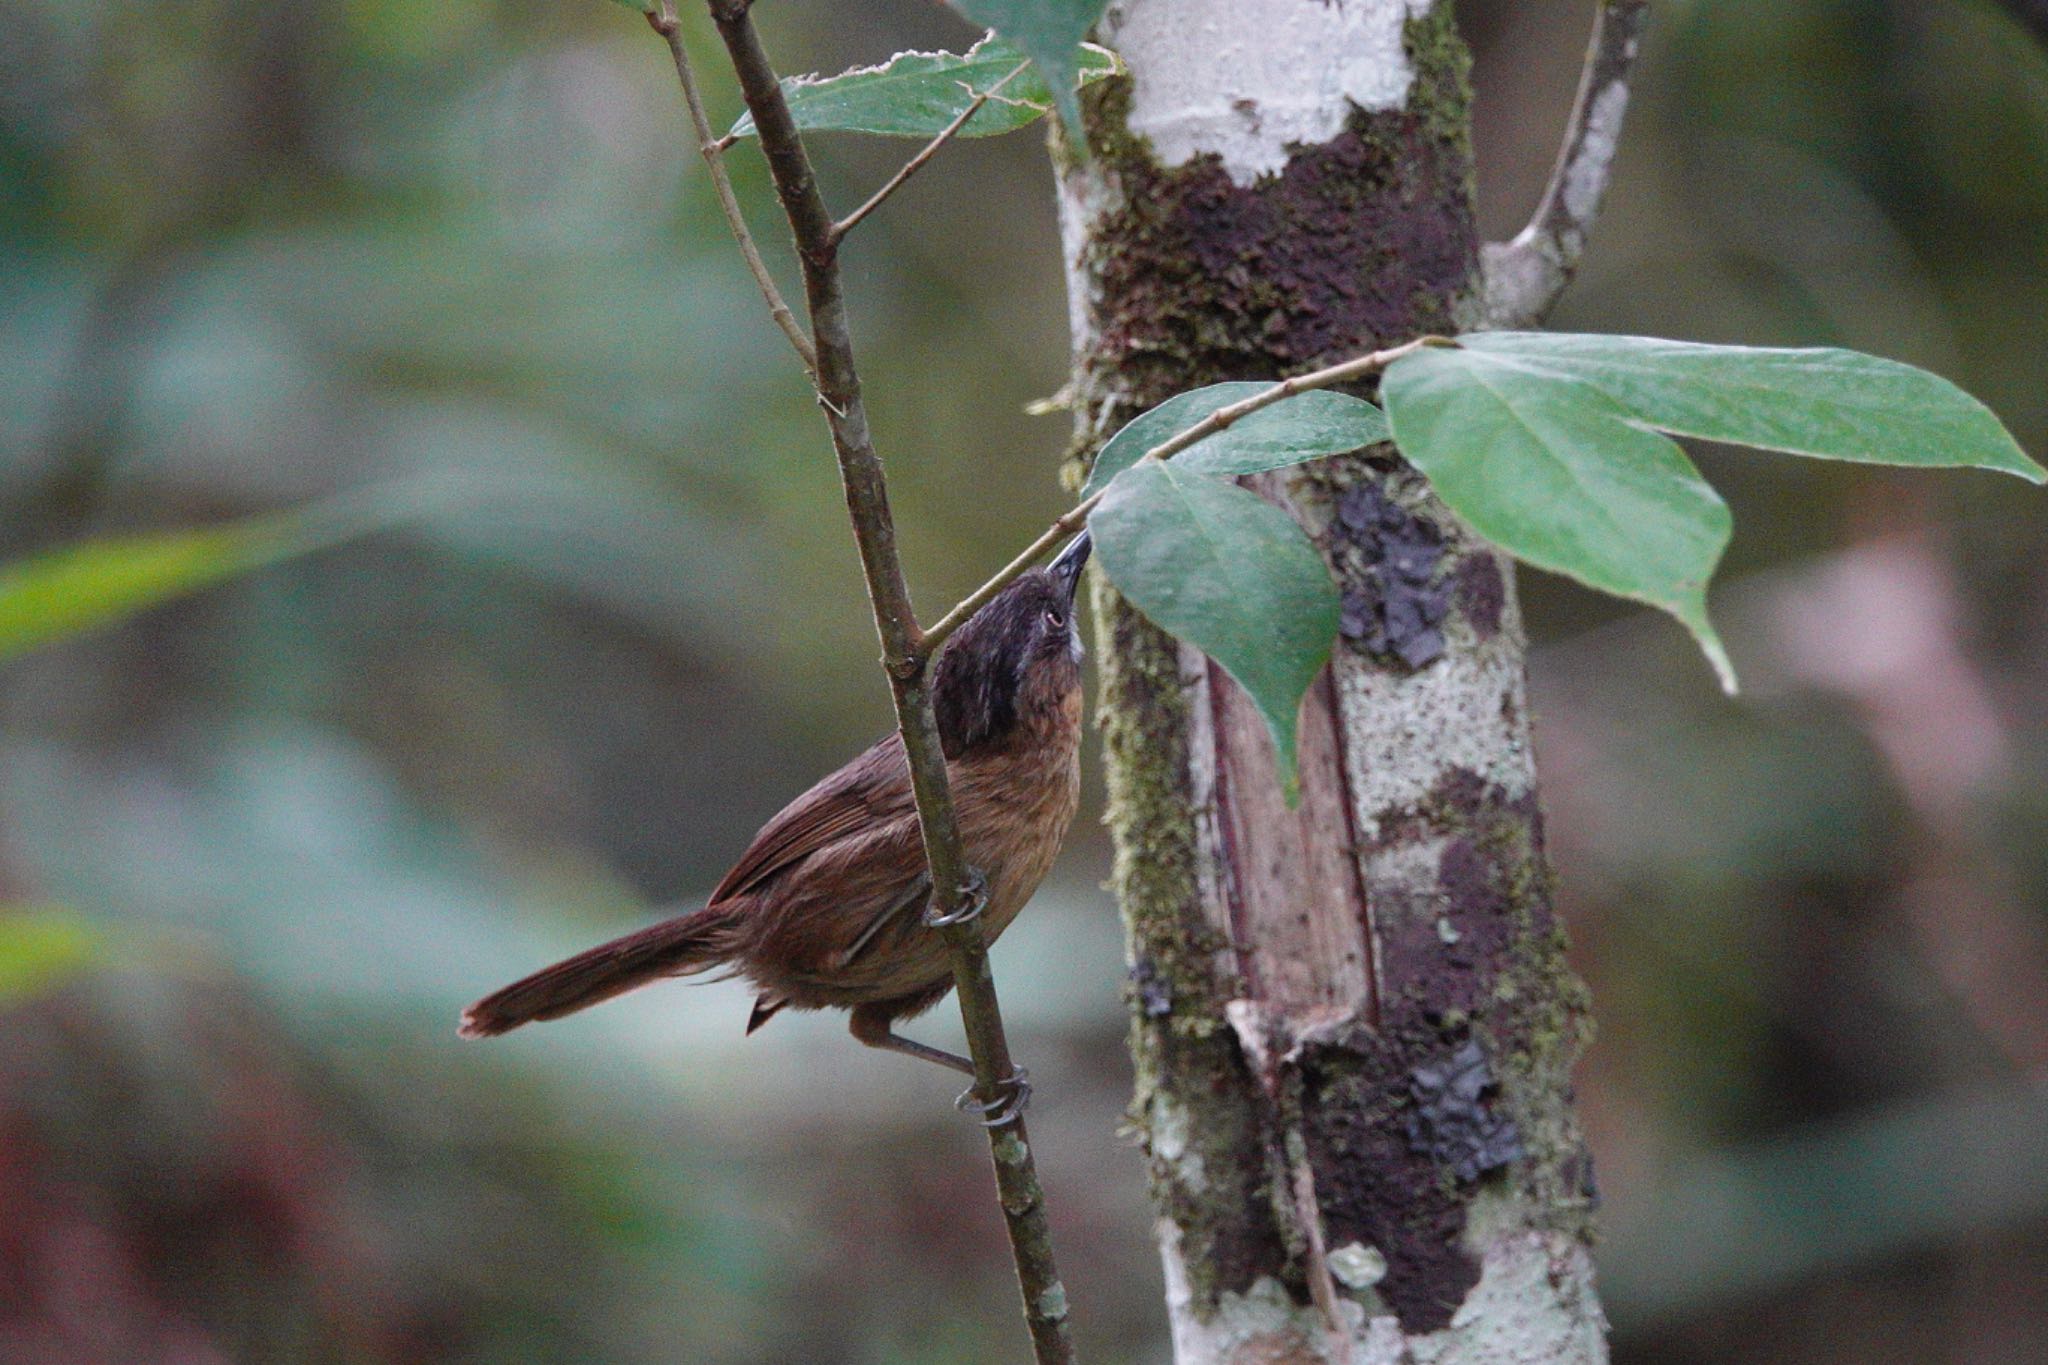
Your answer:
<point x="1352" y="1021"/>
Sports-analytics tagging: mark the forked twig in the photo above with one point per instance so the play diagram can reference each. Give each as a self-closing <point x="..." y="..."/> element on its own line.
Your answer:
<point x="1521" y="279"/>
<point x="712" y="149"/>
<point x="930" y="150"/>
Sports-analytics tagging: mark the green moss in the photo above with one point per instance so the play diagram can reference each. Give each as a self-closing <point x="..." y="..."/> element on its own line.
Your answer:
<point x="1193" y="1099"/>
<point x="1540" y="1021"/>
<point x="1441" y="97"/>
<point x="1106" y="113"/>
<point x="1142" y="715"/>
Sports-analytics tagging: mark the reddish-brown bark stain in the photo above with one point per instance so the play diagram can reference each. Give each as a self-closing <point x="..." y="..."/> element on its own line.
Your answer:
<point x="1482" y="593"/>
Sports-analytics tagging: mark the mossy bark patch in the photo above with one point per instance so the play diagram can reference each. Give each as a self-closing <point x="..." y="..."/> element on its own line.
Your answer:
<point x="1368" y="237"/>
<point x="1189" y="1103"/>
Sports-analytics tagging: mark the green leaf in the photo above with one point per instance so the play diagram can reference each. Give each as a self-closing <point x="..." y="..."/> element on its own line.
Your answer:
<point x="1230" y="574"/>
<point x="41" y="947"/>
<point x="1049" y="32"/>
<point x="62" y="592"/>
<point x="1556" y="472"/>
<point x="1547" y="444"/>
<point x="1835" y="404"/>
<point x="638" y="6"/>
<point x="1307" y="426"/>
<point x="919" y="94"/>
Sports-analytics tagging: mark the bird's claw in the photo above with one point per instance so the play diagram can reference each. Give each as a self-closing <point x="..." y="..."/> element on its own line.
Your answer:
<point x="1002" y="1109"/>
<point x="973" y="900"/>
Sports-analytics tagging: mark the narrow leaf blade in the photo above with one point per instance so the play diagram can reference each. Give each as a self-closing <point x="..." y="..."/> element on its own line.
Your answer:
<point x="76" y="588"/>
<point x="1823" y="402"/>
<point x="919" y="94"/>
<point x="1307" y="426"/>
<point x="1230" y="574"/>
<point x="1559" y="474"/>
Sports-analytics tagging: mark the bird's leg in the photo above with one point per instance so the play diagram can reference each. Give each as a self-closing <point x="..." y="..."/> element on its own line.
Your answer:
<point x="973" y="900"/>
<point x="870" y="1025"/>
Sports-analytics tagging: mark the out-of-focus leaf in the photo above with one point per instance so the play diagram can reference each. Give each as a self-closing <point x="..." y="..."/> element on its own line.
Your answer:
<point x="1049" y="32"/>
<point x="75" y="588"/>
<point x="1307" y="426"/>
<point x="918" y="94"/>
<point x="41" y="947"/>
<point x="1230" y="574"/>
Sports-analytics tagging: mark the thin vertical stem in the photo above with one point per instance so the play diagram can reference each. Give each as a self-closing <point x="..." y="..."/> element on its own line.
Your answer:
<point x="906" y="660"/>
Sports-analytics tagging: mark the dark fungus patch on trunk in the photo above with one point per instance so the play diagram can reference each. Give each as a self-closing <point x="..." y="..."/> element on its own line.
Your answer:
<point x="1375" y="1185"/>
<point x="1395" y="596"/>
<point x="1482" y="593"/>
<point x="1366" y="238"/>
<point x="1462" y="1083"/>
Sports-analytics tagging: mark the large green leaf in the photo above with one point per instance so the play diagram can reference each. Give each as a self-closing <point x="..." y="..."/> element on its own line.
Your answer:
<point x="41" y="947"/>
<point x="1307" y="426"/>
<point x="919" y="94"/>
<point x="1557" y="473"/>
<point x="1547" y="444"/>
<point x="1230" y="574"/>
<point x="1840" y="405"/>
<point x="1049" y="32"/>
<point x="62" y="592"/>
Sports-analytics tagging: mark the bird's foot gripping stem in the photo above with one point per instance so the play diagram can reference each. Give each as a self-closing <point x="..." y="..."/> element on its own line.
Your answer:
<point x="973" y="900"/>
<point x="1004" y="1108"/>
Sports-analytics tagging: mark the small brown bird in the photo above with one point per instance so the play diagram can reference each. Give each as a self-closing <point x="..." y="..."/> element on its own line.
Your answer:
<point x="825" y="908"/>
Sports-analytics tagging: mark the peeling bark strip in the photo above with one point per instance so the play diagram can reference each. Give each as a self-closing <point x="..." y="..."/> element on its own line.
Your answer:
<point x="1361" y="1004"/>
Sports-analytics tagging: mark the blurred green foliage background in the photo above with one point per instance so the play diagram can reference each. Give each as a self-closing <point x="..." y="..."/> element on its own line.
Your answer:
<point x="257" y="848"/>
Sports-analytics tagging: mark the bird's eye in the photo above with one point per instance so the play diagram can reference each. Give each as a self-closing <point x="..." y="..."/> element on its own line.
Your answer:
<point x="1055" y="618"/>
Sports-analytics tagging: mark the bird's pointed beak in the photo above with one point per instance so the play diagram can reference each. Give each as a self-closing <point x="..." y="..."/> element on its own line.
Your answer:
<point x="1066" y="570"/>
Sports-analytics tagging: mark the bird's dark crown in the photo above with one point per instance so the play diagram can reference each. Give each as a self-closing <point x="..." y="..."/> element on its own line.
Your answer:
<point x="1026" y="634"/>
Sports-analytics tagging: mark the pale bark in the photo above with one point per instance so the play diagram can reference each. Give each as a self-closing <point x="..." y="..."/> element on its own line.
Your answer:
<point x="1352" y="1021"/>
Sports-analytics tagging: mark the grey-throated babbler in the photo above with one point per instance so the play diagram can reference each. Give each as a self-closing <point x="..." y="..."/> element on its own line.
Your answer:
<point x="825" y="908"/>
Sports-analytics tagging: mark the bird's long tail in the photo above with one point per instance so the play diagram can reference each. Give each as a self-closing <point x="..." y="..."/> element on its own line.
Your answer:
<point x="681" y="946"/>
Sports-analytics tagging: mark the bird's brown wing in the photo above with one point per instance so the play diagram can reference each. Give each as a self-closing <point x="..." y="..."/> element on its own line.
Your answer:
<point x="872" y="790"/>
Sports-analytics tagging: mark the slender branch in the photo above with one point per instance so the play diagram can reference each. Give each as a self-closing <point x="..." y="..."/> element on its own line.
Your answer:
<point x="1076" y="517"/>
<point x="906" y="660"/>
<point x="1521" y="279"/>
<point x="930" y="150"/>
<point x="712" y="148"/>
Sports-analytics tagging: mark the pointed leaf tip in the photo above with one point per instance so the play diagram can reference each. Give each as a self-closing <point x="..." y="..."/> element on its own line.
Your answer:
<point x="1561" y="476"/>
<point x="1230" y="574"/>
<point x="1049" y="32"/>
